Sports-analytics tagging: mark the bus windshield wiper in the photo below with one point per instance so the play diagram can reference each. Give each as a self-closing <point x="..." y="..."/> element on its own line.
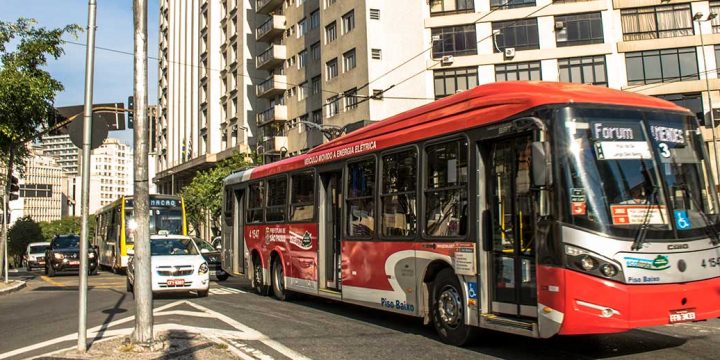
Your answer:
<point x="642" y="232"/>
<point x="709" y="227"/>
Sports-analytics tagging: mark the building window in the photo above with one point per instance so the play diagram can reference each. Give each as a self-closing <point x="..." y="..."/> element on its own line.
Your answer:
<point x="315" y="85"/>
<point x="315" y="19"/>
<point x="330" y="33"/>
<point x="584" y="70"/>
<point x="315" y="51"/>
<point x="715" y="8"/>
<point x="351" y="99"/>
<point x="302" y="28"/>
<point x="656" y="66"/>
<point x="376" y="54"/>
<point x="657" y="22"/>
<point x="446" y="7"/>
<point x="510" y="4"/>
<point x="302" y="59"/>
<point x="361" y="199"/>
<point x="518" y="71"/>
<point x="331" y="69"/>
<point x="689" y="101"/>
<point x="518" y="34"/>
<point x="302" y="91"/>
<point x="580" y="29"/>
<point x="455" y="40"/>
<point x="316" y="117"/>
<point x="717" y="58"/>
<point x="333" y="106"/>
<point x="348" y="21"/>
<point x="349" y="60"/>
<point x="374" y="14"/>
<point x="328" y="3"/>
<point x="451" y="81"/>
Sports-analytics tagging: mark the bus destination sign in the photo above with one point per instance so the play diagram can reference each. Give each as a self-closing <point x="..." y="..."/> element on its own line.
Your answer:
<point x="157" y="203"/>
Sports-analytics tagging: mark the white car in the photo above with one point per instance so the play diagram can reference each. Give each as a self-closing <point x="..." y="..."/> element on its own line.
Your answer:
<point x="35" y="255"/>
<point x="176" y="265"/>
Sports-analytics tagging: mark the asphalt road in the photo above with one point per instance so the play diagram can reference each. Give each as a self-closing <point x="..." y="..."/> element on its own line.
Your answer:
<point x="317" y="328"/>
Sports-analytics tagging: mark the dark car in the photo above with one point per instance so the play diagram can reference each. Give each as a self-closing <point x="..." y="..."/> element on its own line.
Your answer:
<point x="213" y="258"/>
<point x="63" y="254"/>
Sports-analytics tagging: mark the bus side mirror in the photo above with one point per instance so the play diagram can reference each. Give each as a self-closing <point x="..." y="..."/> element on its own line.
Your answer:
<point x="539" y="164"/>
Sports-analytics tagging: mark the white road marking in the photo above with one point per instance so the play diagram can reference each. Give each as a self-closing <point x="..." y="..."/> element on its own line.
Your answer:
<point x="222" y="290"/>
<point x="232" y="337"/>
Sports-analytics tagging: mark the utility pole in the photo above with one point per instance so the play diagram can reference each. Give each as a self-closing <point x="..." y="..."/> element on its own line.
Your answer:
<point x="6" y="208"/>
<point x="143" y="333"/>
<point x="85" y="189"/>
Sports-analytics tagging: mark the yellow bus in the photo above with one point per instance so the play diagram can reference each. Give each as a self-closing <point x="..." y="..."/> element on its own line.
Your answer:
<point x="115" y="226"/>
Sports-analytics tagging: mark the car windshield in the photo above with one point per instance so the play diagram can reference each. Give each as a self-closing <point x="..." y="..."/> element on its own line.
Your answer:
<point x="66" y="242"/>
<point x="623" y="169"/>
<point x="172" y="246"/>
<point x="204" y="245"/>
<point x="38" y="249"/>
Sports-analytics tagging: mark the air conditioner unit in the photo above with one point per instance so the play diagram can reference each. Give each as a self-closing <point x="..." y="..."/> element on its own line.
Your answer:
<point x="435" y="38"/>
<point x="559" y="25"/>
<point x="447" y="59"/>
<point x="509" y="53"/>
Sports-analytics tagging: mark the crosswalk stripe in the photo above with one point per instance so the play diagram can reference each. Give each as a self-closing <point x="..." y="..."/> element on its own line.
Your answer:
<point x="222" y="290"/>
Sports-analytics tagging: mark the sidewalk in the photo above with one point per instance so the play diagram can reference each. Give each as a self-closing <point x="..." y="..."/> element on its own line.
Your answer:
<point x="11" y="286"/>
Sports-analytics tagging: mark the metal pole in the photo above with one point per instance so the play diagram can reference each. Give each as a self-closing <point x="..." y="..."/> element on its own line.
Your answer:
<point x="6" y="209"/>
<point x="143" y="333"/>
<point x="85" y="191"/>
<point x="712" y="116"/>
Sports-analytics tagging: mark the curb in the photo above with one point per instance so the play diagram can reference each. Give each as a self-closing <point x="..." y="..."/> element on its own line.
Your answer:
<point x="14" y="288"/>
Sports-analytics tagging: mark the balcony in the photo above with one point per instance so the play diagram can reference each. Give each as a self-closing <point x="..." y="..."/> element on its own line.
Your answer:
<point x="272" y="57"/>
<point x="266" y="6"/>
<point x="275" y="145"/>
<point x="275" y="113"/>
<point x="275" y="85"/>
<point x="272" y="28"/>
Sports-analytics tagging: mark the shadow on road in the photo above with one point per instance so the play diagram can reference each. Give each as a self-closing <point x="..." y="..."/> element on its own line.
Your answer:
<point x="111" y="315"/>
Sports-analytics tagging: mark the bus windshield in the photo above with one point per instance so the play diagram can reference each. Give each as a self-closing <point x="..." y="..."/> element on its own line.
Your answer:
<point x="161" y="219"/>
<point x="627" y="169"/>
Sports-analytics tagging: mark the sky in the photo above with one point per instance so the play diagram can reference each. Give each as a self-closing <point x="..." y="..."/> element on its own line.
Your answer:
<point x="113" y="71"/>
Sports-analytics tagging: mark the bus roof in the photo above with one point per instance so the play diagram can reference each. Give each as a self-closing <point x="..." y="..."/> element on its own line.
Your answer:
<point x="479" y="106"/>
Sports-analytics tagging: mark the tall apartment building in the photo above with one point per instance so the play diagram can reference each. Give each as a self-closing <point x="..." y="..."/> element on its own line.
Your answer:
<point x="66" y="154"/>
<point x="42" y="189"/>
<point x="251" y="75"/>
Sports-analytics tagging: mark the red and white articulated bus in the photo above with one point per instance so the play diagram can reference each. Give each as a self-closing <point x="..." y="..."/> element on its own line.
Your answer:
<point x="532" y="208"/>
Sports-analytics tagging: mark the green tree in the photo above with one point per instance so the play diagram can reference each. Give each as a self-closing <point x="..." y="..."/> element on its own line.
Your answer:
<point x="203" y="196"/>
<point x="27" y="91"/>
<point x="66" y="225"/>
<point x="23" y="232"/>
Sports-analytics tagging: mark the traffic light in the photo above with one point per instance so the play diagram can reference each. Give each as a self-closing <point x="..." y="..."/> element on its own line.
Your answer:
<point x="131" y="104"/>
<point x="13" y="188"/>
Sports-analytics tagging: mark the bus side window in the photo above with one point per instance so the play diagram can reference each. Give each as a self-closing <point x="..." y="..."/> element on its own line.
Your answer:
<point x="361" y="199"/>
<point x="302" y="197"/>
<point x="276" y="199"/>
<point x="446" y="190"/>
<point x="255" y="203"/>
<point x="399" y="194"/>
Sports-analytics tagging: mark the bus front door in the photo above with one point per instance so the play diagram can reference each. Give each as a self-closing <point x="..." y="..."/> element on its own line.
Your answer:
<point x="512" y="257"/>
<point x="330" y="225"/>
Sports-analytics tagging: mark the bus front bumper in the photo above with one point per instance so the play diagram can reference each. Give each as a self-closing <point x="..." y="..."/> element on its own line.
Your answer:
<point x="593" y="305"/>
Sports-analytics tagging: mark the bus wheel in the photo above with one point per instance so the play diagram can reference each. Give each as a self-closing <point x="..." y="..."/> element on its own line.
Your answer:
<point x="448" y="309"/>
<point x="278" y="280"/>
<point x="257" y="280"/>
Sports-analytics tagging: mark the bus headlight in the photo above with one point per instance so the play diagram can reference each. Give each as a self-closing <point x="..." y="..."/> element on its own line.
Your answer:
<point x="589" y="262"/>
<point x="203" y="268"/>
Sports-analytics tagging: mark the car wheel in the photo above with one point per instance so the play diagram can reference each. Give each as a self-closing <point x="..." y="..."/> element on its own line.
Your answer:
<point x="203" y="293"/>
<point x="128" y="286"/>
<point x="257" y="280"/>
<point x="278" y="280"/>
<point x="223" y="277"/>
<point x="51" y="271"/>
<point x="448" y="309"/>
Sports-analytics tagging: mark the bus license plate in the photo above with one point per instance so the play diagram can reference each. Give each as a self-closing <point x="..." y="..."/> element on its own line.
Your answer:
<point x="684" y="315"/>
<point x="176" y="282"/>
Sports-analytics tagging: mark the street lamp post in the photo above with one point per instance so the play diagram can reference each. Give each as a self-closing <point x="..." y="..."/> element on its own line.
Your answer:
<point x="699" y="18"/>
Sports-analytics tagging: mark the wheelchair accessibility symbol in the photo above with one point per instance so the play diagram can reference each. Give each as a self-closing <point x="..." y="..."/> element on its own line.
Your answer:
<point x="472" y="290"/>
<point x="682" y="221"/>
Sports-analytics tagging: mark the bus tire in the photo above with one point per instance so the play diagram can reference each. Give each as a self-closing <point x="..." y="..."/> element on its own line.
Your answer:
<point x="448" y="309"/>
<point x="257" y="280"/>
<point x="278" y="280"/>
